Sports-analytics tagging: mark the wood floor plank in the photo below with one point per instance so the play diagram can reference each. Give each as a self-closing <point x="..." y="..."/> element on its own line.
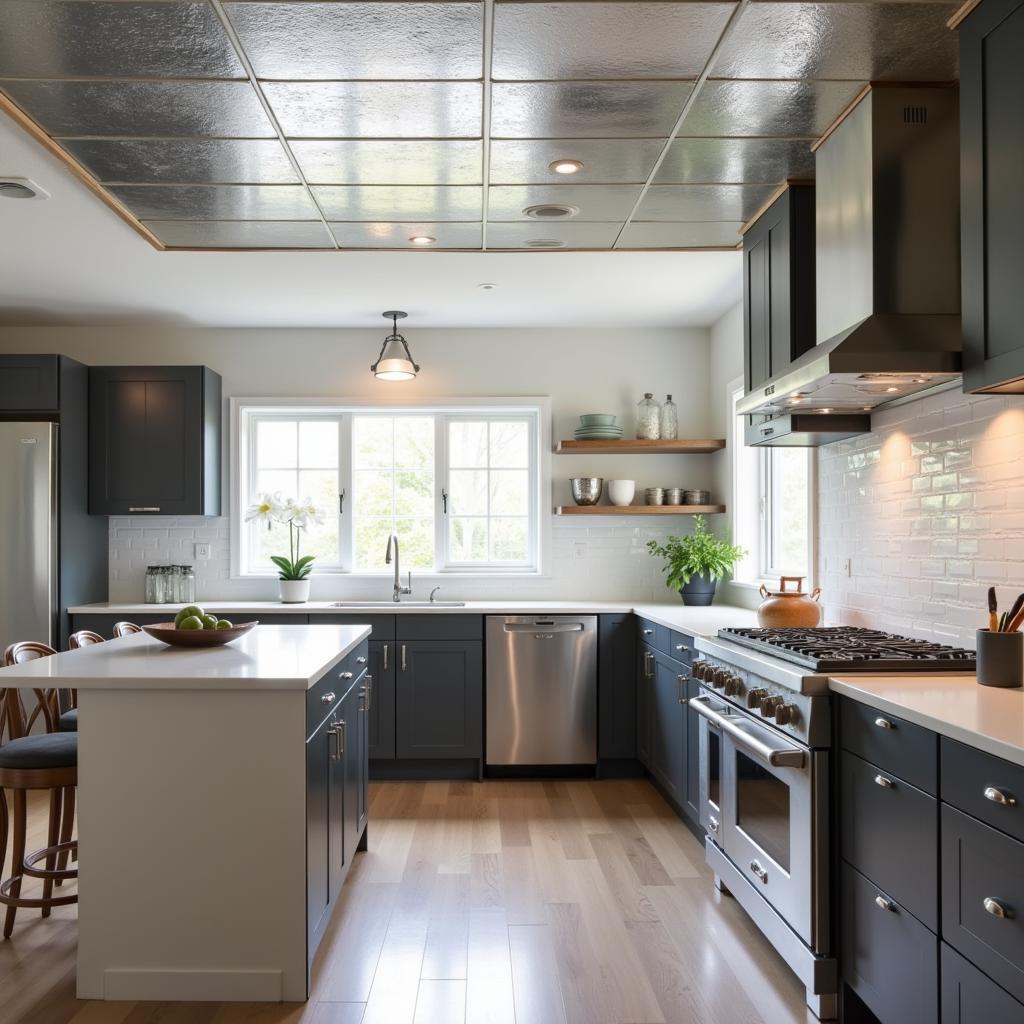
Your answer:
<point x="666" y="837"/>
<point x="524" y="900"/>
<point x="448" y="930"/>
<point x="512" y="818"/>
<point x="579" y="971"/>
<point x="634" y="904"/>
<point x="441" y="1001"/>
<point x="396" y="981"/>
<point x="436" y="792"/>
<point x="337" y="1013"/>
<point x="535" y="984"/>
<point x="489" y="994"/>
<point x="487" y="886"/>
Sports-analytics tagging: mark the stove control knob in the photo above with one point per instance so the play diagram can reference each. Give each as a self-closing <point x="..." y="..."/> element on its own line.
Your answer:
<point x="769" y="704"/>
<point x="755" y="696"/>
<point x="786" y="714"/>
<point x="699" y="669"/>
<point x="733" y="686"/>
<point x="722" y="678"/>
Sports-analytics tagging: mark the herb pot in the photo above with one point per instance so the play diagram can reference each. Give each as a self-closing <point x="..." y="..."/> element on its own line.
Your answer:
<point x="699" y="591"/>
<point x="294" y="591"/>
<point x="787" y="608"/>
<point x="1000" y="659"/>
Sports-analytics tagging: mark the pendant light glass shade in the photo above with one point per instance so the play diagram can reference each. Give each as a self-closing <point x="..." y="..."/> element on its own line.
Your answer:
<point x="395" y="360"/>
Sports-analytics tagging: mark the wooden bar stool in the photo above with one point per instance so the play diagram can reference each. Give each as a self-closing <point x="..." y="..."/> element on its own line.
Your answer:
<point x="44" y="761"/>
<point x="125" y="629"/>
<point x="67" y="721"/>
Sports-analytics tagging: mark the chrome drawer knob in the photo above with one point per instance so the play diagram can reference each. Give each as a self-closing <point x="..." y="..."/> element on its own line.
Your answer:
<point x="881" y="780"/>
<point x="995" y="908"/>
<point x="344" y="675"/>
<point x="884" y="904"/>
<point x="328" y="698"/>
<point x="997" y="796"/>
<point x="884" y="723"/>
<point x="712" y="823"/>
<point x="759" y="871"/>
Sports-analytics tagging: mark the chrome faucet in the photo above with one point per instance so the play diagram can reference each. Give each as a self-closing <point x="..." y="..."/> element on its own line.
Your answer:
<point x="399" y="589"/>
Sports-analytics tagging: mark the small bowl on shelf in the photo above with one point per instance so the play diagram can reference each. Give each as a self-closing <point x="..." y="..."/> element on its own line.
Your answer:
<point x="586" y="490"/>
<point x="167" y="633"/>
<point x="597" y="419"/>
<point x="673" y="496"/>
<point x="654" y="496"/>
<point x="696" y="497"/>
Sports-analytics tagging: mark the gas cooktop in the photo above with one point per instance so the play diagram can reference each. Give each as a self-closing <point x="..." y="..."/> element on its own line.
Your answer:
<point x="852" y="649"/>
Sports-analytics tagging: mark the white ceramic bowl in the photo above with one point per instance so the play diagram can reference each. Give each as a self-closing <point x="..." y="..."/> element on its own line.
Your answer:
<point x="620" y="492"/>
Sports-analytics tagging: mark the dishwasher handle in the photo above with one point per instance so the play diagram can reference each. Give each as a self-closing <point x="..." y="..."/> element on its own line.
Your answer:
<point x="543" y="627"/>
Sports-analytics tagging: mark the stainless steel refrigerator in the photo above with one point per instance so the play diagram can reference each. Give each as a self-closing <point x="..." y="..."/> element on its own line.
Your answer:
<point x="28" y="532"/>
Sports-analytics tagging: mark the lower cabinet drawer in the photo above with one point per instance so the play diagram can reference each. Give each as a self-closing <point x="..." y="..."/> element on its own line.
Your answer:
<point x="886" y="955"/>
<point x="890" y="834"/>
<point x="983" y="786"/>
<point x="983" y="898"/>
<point x="895" y="745"/>
<point x="970" y="997"/>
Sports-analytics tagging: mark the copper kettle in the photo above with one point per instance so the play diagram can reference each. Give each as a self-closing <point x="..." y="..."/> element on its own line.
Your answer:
<point x="785" y="608"/>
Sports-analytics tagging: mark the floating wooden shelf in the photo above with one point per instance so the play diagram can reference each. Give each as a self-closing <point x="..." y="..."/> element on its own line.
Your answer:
<point x="637" y="510"/>
<point x="631" y="447"/>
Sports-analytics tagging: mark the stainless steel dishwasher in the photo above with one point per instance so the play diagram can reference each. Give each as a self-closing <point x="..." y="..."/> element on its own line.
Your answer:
<point x="542" y="690"/>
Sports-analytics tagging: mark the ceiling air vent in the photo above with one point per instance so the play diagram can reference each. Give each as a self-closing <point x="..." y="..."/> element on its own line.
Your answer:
<point x="544" y="243"/>
<point x="21" y="188"/>
<point x="551" y="211"/>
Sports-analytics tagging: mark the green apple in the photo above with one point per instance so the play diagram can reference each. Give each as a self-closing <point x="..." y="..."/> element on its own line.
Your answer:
<point x="209" y="622"/>
<point x="224" y="624"/>
<point x="192" y="622"/>
<point x="187" y="613"/>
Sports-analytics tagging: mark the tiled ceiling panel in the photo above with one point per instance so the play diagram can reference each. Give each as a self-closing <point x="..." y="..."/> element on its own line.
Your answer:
<point x="370" y="235"/>
<point x="185" y="161"/>
<point x="62" y="39"/>
<point x="860" y="41"/>
<point x="702" y="202"/>
<point x="361" y="40"/>
<point x="537" y="41"/>
<point x="217" y="202"/>
<point x="242" y="234"/>
<point x="400" y="202"/>
<point x="390" y="161"/>
<point x="528" y="161"/>
<point x="762" y="161"/>
<point x="598" y="110"/>
<point x="75" y="108"/>
<point x="366" y="123"/>
<point x="366" y="110"/>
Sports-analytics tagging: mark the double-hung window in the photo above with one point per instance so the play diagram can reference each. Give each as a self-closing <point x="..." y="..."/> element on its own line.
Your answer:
<point x="459" y="484"/>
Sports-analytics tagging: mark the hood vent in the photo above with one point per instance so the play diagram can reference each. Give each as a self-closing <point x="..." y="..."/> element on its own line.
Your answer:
<point x="887" y="262"/>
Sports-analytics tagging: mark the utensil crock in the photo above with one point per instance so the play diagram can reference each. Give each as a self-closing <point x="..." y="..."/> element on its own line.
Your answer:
<point x="1000" y="659"/>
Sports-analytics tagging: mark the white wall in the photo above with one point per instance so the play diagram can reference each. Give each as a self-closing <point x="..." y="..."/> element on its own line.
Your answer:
<point x="581" y="370"/>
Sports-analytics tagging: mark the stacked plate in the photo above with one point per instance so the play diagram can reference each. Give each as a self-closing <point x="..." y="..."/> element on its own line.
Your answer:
<point x="597" y="426"/>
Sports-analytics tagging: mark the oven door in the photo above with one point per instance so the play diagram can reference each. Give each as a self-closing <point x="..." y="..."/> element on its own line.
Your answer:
<point x="710" y="746"/>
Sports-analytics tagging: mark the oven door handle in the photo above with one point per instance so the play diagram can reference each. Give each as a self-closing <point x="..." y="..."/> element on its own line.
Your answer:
<point x="747" y="740"/>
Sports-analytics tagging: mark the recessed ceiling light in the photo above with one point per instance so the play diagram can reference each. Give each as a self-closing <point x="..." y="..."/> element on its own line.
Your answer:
<point x="422" y="240"/>
<point x="551" y="211"/>
<point x="21" y="188"/>
<point x="565" y="166"/>
<point x="544" y="243"/>
<point x="487" y="286"/>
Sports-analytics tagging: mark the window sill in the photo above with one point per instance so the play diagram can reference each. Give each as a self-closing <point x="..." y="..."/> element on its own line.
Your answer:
<point x="488" y="574"/>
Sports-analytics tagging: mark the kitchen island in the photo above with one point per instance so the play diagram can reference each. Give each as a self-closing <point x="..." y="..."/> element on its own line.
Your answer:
<point x="222" y="796"/>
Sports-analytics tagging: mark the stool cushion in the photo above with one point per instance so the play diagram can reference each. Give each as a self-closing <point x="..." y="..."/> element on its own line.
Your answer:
<point x="68" y="722"/>
<point x="51" y="750"/>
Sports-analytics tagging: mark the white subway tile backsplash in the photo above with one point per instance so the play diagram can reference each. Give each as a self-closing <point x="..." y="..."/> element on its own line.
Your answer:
<point x="929" y="509"/>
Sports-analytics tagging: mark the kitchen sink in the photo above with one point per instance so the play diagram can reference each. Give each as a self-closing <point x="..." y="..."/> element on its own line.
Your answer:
<point x="398" y="604"/>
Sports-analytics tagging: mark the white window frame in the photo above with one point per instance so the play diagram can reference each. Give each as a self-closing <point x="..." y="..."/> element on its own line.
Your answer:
<point x="769" y="508"/>
<point x="244" y="412"/>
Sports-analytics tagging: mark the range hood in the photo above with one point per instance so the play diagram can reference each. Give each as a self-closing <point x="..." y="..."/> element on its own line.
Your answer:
<point x="887" y="262"/>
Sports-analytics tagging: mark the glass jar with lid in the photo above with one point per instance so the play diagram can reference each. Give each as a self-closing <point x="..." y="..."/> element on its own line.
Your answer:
<point x="648" y="419"/>
<point x="669" y="420"/>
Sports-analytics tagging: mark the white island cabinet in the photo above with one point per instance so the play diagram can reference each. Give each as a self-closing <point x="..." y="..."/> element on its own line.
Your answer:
<point x="222" y="797"/>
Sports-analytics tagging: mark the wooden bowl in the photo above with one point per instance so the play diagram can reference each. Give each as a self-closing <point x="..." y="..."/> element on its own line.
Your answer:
<point x="168" y="634"/>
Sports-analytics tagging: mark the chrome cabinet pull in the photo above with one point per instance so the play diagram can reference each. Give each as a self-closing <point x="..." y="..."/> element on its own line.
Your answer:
<point x="884" y="904"/>
<point x="997" y="796"/>
<point x="881" y="780"/>
<point x="759" y="871"/>
<point x="647" y="632"/>
<point x="712" y="823"/>
<point x="328" y="698"/>
<point x="368" y="693"/>
<point x="143" y="508"/>
<point x="404" y="664"/>
<point x="995" y="908"/>
<point x="333" y="732"/>
<point x="681" y="689"/>
<point x="385" y="657"/>
<point x="344" y="675"/>
<point x="360" y="660"/>
<point x="680" y="647"/>
<point x="884" y="723"/>
<point x="342" y="736"/>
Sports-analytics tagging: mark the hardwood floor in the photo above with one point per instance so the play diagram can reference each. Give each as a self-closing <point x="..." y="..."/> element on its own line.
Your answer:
<point x="493" y="903"/>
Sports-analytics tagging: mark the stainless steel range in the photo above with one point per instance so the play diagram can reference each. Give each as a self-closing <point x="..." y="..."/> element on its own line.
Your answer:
<point x="765" y="747"/>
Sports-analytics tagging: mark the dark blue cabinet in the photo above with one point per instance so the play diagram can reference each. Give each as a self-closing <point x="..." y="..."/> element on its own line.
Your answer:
<point x="318" y="829"/>
<point x="381" y="717"/>
<point x="29" y="383"/>
<point x="667" y="757"/>
<point x="616" y="686"/>
<point x="644" y="700"/>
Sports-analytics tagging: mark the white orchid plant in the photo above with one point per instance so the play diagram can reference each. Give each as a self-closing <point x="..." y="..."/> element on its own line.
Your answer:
<point x="272" y="508"/>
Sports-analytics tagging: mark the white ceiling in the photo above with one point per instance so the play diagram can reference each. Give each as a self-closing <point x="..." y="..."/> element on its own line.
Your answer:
<point x="70" y="260"/>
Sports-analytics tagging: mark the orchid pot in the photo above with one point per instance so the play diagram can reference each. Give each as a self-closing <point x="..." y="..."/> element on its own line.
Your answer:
<point x="294" y="569"/>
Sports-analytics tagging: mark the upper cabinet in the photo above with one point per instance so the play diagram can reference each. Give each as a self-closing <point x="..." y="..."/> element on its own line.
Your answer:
<point x="154" y="440"/>
<point x="778" y="285"/>
<point x="992" y="199"/>
<point x="29" y="383"/>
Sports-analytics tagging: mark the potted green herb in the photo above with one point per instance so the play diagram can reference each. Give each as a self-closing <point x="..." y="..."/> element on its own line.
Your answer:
<point x="693" y="564"/>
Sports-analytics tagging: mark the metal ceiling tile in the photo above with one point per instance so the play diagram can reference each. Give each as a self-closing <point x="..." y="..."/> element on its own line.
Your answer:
<point x="217" y="202"/>
<point x="861" y="41"/>
<point x="242" y="234"/>
<point x="534" y="41"/>
<point x="390" y="162"/>
<point x="361" y="40"/>
<point x="559" y="110"/>
<point x="400" y="202"/>
<point x="186" y="161"/>
<point x="397" y="236"/>
<point x="564" y="235"/>
<point x="751" y="160"/>
<point x="639" y="235"/>
<point x="787" y="109"/>
<point x="390" y="110"/>
<point x="77" y="108"/>
<point x="702" y="202"/>
<point x="527" y="161"/>
<point x="58" y="39"/>
<point x="594" y="202"/>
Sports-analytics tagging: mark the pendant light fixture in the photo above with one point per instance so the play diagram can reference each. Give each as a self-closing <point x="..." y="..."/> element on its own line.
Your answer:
<point x="395" y="359"/>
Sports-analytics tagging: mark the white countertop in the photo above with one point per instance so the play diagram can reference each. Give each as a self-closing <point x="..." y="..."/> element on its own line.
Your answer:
<point x="692" y="621"/>
<point x="266" y="658"/>
<point x="984" y="717"/>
